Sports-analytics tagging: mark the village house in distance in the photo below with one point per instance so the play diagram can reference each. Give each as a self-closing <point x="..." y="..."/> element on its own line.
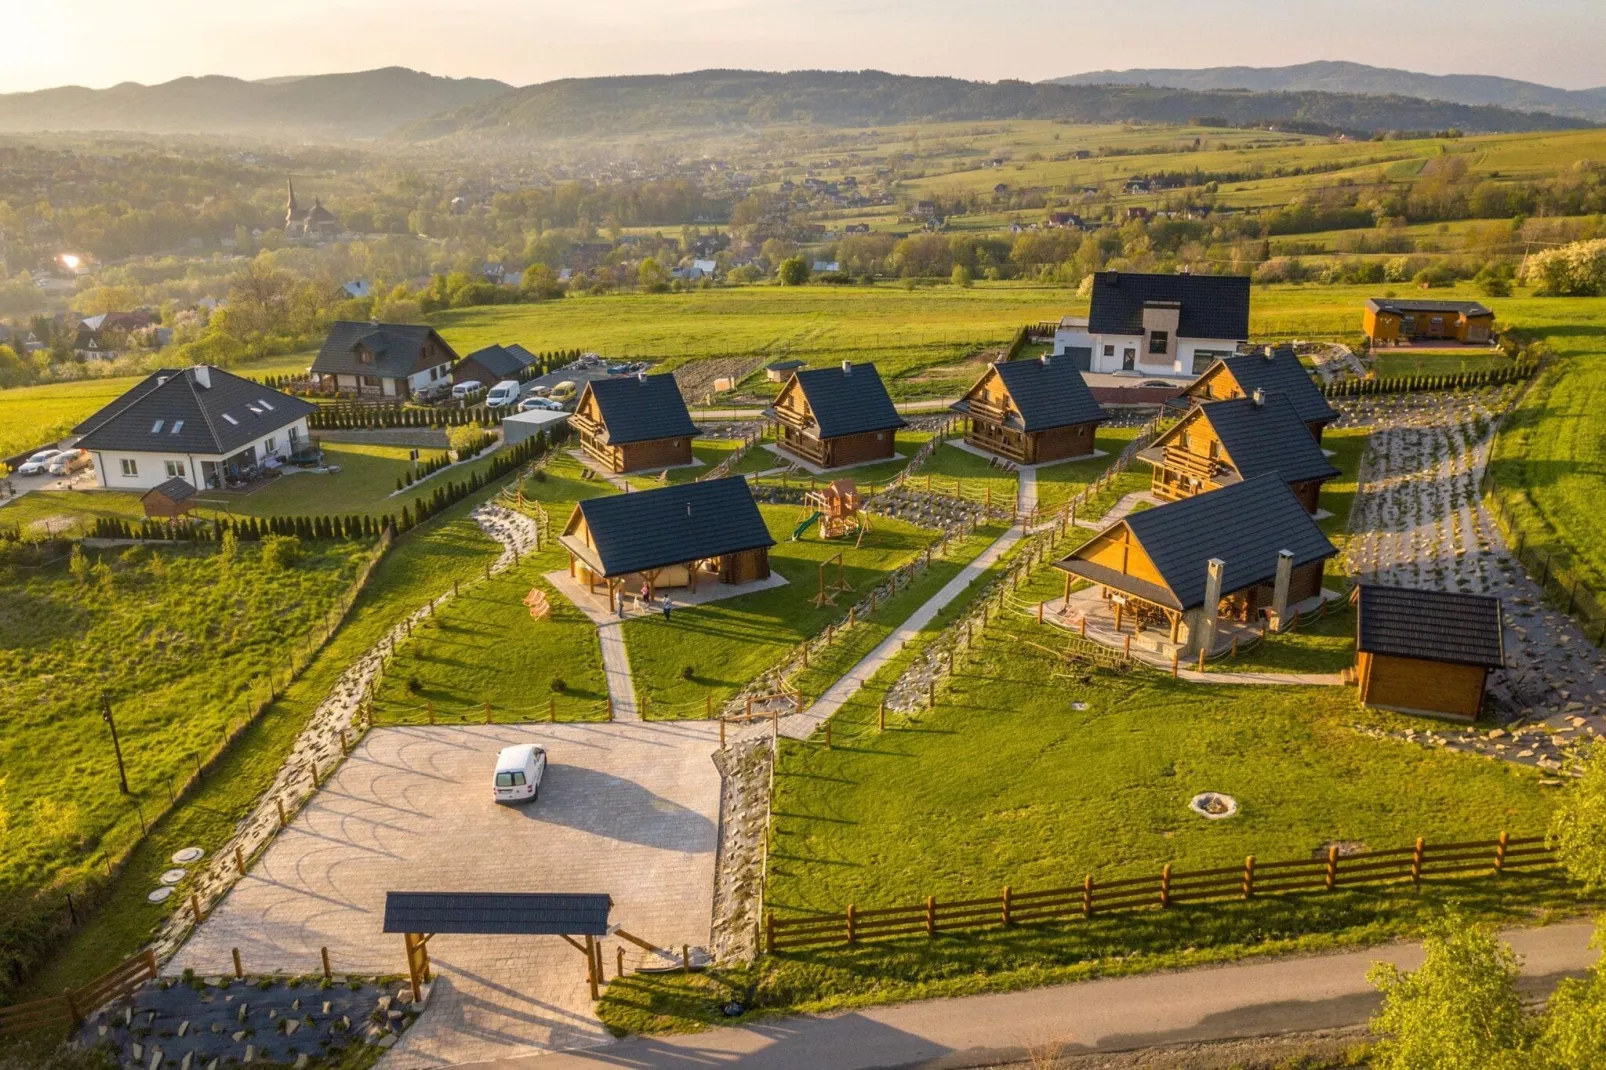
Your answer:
<point x="836" y="417"/>
<point x="1166" y="326"/>
<point x="1273" y="370"/>
<point x="201" y="425"/>
<point x="314" y="222"/>
<point x="390" y="360"/>
<point x="634" y="424"/>
<point x="1031" y="411"/>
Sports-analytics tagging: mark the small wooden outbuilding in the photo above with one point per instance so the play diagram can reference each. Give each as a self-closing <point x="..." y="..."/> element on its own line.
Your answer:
<point x="635" y="423"/>
<point x="1031" y="411"/>
<point x="1427" y="652"/>
<point x="835" y="417"/>
<point x="170" y="500"/>
<point x="669" y="537"/>
<point x="1391" y="322"/>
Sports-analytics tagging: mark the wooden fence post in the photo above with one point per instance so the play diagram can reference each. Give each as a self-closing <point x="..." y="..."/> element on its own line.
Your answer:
<point x="283" y="818"/>
<point x="828" y="734"/>
<point x="1332" y="866"/>
<point x="1165" y="886"/>
<point x="552" y="708"/>
<point x="327" y="972"/>
<point x="239" y="859"/>
<point x="1176" y="661"/>
<point x="881" y="716"/>
<point x="851" y="934"/>
<point x="195" y="908"/>
<point x="1417" y="854"/>
<point x="931" y="915"/>
<point x="239" y="971"/>
<point x="1201" y="659"/>
<point x="1249" y="876"/>
<point x="1087" y="896"/>
<point x="1500" y="851"/>
<point x="1005" y="915"/>
<point x="431" y="705"/>
<point x="620" y="962"/>
<point x="487" y="712"/>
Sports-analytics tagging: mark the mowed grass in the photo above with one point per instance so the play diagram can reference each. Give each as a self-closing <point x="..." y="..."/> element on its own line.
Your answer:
<point x="422" y="565"/>
<point x="1058" y="483"/>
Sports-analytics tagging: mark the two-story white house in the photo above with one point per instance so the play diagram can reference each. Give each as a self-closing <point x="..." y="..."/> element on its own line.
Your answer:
<point x="1157" y="326"/>
<point x="199" y="424"/>
<point x="393" y="360"/>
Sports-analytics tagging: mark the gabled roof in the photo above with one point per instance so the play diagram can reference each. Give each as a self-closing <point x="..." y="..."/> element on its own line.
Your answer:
<point x="1466" y="629"/>
<point x="501" y="361"/>
<point x="174" y="490"/>
<point x="668" y="526"/>
<point x="641" y="408"/>
<point x="170" y="411"/>
<point x="1213" y="306"/>
<point x="1048" y="393"/>
<point x="1260" y="439"/>
<point x="1459" y="308"/>
<point x="395" y="346"/>
<point x="1276" y="370"/>
<point x="848" y="401"/>
<point x="1246" y="525"/>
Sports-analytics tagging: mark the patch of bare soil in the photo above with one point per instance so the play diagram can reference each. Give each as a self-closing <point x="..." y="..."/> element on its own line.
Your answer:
<point x="696" y="380"/>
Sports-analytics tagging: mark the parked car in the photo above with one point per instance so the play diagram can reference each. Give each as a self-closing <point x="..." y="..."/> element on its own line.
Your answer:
<point x="439" y="391"/>
<point x="37" y="464"/>
<point x="540" y="391"/>
<point x="67" y="462"/>
<point x="619" y="369"/>
<point x="519" y="770"/>
<point x="565" y="391"/>
<point x="465" y="388"/>
<point x="504" y="393"/>
<point x="544" y="404"/>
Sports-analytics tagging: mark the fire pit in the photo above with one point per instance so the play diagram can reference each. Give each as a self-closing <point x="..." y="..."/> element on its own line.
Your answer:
<point x="1213" y="805"/>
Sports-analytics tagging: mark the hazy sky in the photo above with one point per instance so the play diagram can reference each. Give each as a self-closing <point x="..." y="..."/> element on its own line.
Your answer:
<point x="101" y="42"/>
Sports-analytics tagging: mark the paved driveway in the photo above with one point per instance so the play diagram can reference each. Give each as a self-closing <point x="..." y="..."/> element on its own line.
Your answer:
<point x="629" y="810"/>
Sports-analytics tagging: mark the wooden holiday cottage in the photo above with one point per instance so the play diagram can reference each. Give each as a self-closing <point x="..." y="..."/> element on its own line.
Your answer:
<point x="634" y="423"/>
<point x="834" y="417"/>
<point x="1031" y="411"/>
<point x="1426" y="652"/>
<point x="1271" y="370"/>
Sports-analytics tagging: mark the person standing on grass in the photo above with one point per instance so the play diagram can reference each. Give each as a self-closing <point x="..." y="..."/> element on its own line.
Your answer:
<point x="667" y="606"/>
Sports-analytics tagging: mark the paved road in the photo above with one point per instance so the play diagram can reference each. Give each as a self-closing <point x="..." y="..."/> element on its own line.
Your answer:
<point x="1257" y="998"/>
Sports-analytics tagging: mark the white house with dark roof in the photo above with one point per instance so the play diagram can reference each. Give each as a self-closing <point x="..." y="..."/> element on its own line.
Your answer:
<point x="1163" y="326"/>
<point x="393" y="360"/>
<point x="199" y="424"/>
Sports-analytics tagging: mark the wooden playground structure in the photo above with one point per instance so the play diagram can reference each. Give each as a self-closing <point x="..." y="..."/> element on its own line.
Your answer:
<point x="837" y="507"/>
<point x="829" y="589"/>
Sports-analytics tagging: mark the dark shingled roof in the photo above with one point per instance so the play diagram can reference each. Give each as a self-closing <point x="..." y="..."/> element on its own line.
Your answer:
<point x="669" y="526"/>
<point x="395" y="346"/>
<point x="1213" y="306"/>
<point x="1278" y="371"/>
<point x="1267" y="438"/>
<point x="783" y="365"/>
<point x="1390" y="304"/>
<point x="1246" y="525"/>
<point x="504" y="362"/>
<point x="848" y="403"/>
<point x="170" y="412"/>
<point x="498" y="913"/>
<point x="1400" y="622"/>
<point x="1049" y="393"/>
<point x="174" y="490"/>
<point x="641" y="409"/>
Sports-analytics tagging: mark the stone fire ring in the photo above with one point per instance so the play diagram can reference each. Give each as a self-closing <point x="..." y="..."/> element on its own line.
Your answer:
<point x="1213" y="805"/>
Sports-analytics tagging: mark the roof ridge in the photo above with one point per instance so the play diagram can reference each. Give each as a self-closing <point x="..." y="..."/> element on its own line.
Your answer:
<point x="131" y="399"/>
<point x="211" y="428"/>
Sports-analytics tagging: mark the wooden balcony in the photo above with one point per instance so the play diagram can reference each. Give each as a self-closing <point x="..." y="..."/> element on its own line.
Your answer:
<point x="1187" y="463"/>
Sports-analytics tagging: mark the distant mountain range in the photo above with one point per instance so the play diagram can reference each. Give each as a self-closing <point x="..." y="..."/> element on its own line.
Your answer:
<point x="410" y="105"/>
<point x="322" y="106"/>
<point x="1341" y="77"/>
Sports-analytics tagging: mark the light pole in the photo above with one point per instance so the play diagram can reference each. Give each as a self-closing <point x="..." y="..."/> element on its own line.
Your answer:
<point x="106" y="715"/>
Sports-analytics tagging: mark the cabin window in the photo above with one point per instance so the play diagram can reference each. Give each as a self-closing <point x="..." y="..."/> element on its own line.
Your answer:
<point x="365" y="356"/>
<point x="175" y="469"/>
<point x="1159" y="342"/>
<point x="880" y="436"/>
<point x="370" y="380"/>
<point x="130" y="467"/>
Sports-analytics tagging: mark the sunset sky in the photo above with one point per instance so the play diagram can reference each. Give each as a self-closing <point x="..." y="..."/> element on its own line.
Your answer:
<point x="102" y="42"/>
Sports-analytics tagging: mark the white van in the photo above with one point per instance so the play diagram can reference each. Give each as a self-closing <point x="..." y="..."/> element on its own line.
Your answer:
<point x="465" y="388"/>
<point x="519" y="771"/>
<point x="504" y="393"/>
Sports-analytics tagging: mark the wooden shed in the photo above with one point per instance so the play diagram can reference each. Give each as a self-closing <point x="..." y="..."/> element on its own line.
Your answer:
<point x="1273" y="370"/>
<point x="1225" y="442"/>
<point x="169" y="500"/>
<point x="635" y="423"/>
<point x="1391" y="322"/>
<point x="835" y="417"/>
<point x="669" y="537"/>
<point x="1427" y="652"/>
<point x="1031" y="411"/>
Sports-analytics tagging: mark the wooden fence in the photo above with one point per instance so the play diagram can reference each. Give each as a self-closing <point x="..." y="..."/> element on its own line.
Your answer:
<point x="1162" y="891"/>
<point x="76" y="1004"/>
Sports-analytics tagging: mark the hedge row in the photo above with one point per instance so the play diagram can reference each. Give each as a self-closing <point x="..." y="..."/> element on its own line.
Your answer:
<point x="1408" y="384"/>
<point x="343" y="417"/>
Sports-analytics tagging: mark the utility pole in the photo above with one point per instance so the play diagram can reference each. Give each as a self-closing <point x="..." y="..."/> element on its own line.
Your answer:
<point x="106" y="715"/>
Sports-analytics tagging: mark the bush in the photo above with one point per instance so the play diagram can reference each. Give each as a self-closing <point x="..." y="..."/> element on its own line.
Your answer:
<point x="794" y="271"/>
<point x="688" y="672"/>
<point x="413" y="686"/>
<point x="559" y="685"/>
<point x="281" y="551"/>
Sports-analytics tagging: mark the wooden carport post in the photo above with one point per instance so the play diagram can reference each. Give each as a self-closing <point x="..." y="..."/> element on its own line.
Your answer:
<point x="417" y="962"/>
<point x="591" y="965"/>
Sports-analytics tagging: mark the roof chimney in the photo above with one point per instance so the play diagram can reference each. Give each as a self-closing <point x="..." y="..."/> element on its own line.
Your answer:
<point x="847" y="367"/>
<point x="1112" y="278"/>
<point x="1258" y="397"/>
<point x="202" y="376"/>
<point x="641" y="376"/>
<point x="1043" y="360"/>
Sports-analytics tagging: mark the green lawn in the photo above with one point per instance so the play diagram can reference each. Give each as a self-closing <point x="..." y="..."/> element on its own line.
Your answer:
<point x="1389" y="362"/>
<point x="869" y="478"/>
<point x="1059" y="483"/>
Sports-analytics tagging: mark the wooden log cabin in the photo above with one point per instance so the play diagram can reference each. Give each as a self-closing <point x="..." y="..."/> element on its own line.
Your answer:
<point x="1031" y="411"/>
<point x="835" y="417"/>
<point x="1227" y="442"/>
<point x="1392" y="322"/>
<point x="1236" y="554"/>
<point x="1271" y="370"/>
<point x="672" y="536"/>
<point x="1426" y="652"/>
<point x="634" y="424"/>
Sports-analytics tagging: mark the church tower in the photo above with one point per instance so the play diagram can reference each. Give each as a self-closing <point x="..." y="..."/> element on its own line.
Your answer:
<point x="293" y="223"/>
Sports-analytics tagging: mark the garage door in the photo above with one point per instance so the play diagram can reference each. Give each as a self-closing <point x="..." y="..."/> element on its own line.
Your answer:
<point x="1081" y="357"/>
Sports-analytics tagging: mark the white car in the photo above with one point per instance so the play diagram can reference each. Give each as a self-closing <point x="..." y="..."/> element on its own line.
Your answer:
<point x="545" y="404"/>
<point x="38" y="463"/>
<point x="519" y="770"/>
<point x="67" y="462"/>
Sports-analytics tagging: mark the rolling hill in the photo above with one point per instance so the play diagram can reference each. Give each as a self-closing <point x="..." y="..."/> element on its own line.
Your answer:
<point x="361" y="104"/>
<point x="595" y="107"/>
<point x="1342" y="77"/>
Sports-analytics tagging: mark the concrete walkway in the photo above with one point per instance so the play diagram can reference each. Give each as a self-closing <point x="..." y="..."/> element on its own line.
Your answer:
<point x="1118" y="511"/>
<point x="611" y="637"/>
<point x="1249" y="999"/>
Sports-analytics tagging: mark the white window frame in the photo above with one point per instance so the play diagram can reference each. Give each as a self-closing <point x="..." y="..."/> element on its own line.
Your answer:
<point x="130" y="467"/>
<point x="175" y="470"/>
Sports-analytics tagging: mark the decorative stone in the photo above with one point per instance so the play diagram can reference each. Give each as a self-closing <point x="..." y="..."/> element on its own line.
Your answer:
<point x="387" y="1041"/>
<point x="188" y="855"/>
<point x="173" y="876"/>
<point x="159" y="895"/>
